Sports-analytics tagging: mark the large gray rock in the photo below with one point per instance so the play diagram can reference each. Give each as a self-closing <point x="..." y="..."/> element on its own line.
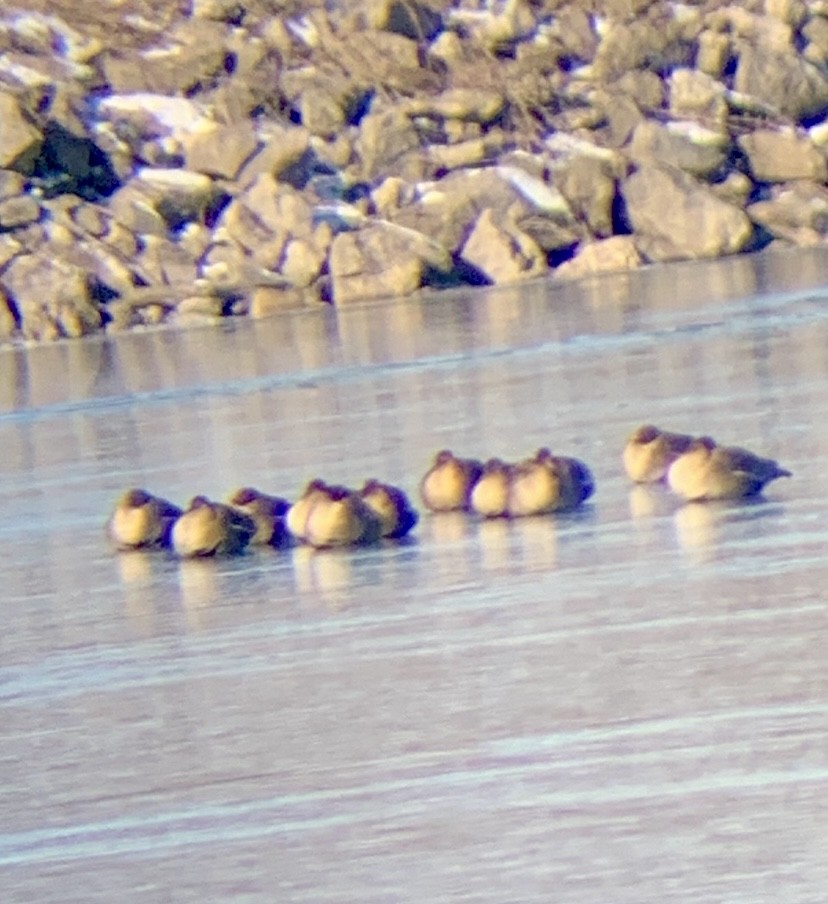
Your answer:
<point x="502" y="252"/>
<point x="686" y="145"/>
<point x="797" y="212"/>
<point x="674" y="217"/>
<point x="20" y="141"/>
<point x="385" y="138"/>
<point x="588" y="184"/>
<point x="418" y="21"/>
<point x="383" y="260"/>
<point x="605" y="256"/>
<point x="220" y="150"/>
<point x="52" y="296"/>
<point x="784" y="82"/>
<point x="778" y="155"/>
<point x="447" y="209"/>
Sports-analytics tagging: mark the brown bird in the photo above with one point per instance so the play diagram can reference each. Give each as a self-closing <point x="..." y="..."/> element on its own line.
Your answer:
<point x="267" y="513"/>
<point x="448" y="483"/>
<point x="650" y="452"/>
<point x="296" y="517"/>
<point x="549" y="483"/>
<point x="490" y="495"/>
<point x="211" y="528"/>
<point x="709" y="471"/>
<point x="141" y="520"/>
<point x="392" y="507"/>
<point x="339" y="517"/>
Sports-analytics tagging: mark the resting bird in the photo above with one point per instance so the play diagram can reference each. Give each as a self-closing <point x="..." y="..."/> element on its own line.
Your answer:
<point x="490" y="495"/>
<point x="391" y="506"/>
<point x="549" y="483"/>
<point x="650" y="452"/>
<point x="267" y="513"/>
<point x="448" y="483"/>
<point x="296" y="517"/>
<point x="141" y="520"/>
<point x="708" y="471"/>
<point x="339" y="517"/>
<point x="211" y="529"/>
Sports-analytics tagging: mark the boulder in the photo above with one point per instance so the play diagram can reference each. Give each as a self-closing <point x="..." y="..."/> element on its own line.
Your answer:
<point x="219" y="150"/>
<point x="779" y="155"/>
<point x="501" y="251"/>
<point x="686" y="145"/>
<point x="414" y="20"/>
<point x="588" y="184"/>
<point x="18" y="211"/>
<point x="52" y="296"/>
<point x="797" y="212"/>
<point x="604" y="256"/>
<point x="383" y="260"/>
<point x="20" y="141"/>
<point x="674" y="217"/>
<point x="783" y="82"/>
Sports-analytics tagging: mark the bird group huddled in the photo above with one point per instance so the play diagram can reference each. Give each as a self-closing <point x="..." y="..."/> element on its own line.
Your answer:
<point x="327" y="515"/>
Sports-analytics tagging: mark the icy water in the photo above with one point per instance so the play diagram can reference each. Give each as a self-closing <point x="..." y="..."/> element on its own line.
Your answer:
<point x="625" y="705"/>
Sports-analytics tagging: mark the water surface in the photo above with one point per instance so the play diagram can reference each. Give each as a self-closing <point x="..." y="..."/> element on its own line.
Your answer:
<point x="624" y="704"/>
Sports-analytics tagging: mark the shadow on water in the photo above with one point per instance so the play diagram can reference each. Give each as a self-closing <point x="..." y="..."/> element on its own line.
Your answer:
<point x="629" y="697"/>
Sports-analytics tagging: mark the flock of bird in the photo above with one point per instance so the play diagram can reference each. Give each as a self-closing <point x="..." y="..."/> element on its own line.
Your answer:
<point x="326" y="515"/>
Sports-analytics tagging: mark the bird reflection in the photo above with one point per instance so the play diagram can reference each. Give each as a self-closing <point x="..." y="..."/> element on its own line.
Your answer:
<point x="697" y="527"/>
<point x="197" y="582"/>
<point x="648" y="501"/>
<point x="537" y="539"/>
<point x="495" y="544"/>
<point x="323" y="577"/>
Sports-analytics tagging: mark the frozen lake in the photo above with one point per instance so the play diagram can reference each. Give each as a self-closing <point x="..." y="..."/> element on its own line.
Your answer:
<point x="624" y="705"/>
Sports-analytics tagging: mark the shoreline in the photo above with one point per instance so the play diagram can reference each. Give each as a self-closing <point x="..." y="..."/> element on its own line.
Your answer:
<point x="228" y="164"/>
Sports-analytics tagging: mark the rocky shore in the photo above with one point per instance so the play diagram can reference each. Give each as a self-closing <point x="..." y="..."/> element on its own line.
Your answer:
<point x="221" y="158"/>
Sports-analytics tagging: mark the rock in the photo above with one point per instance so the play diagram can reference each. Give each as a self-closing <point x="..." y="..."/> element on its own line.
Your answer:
<point x="616" y="253"/>
<point x="219" y="150"/>
<point x="137" y="118"/>
<point x="417" y="21"/>
<point x="135" y="211"/>
<point x="797" y="212"/>
<point x="481" y="105"/>
<point x="383" y="260"/>
<point x="265" y="301"/>
<point x="674" y="217"/>
<point x="192" y="55"/>
<point x="588" y="184"/>
<point x="179" y="195"/>
<point x="283" y="154"/>
<point x="695" y="95"/>
<point x="713" y="53"/>
<point x="783" y="82"/>
<point x="302" y="260"/>
<point x="686" y="145"/>
<point x="18" y="211"/>
<point x="501" y="251"/>
<point x="493" y="30"/>
<point x="163" y="262"/>
<point x="447" y="209"/>
<point x="51" y="296"/>
<point x="384" y="138"/>
<point x="779" y="155"/>
<point x="20" y="141"/>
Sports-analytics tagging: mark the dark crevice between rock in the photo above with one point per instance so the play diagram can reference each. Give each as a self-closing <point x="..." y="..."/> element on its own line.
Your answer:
<point x="462" y="273"/>
<point x="71" y="165"/>
<point x="556" y="256"/>
<point x="620" y="218"/>
<point x="15" y="310"/>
